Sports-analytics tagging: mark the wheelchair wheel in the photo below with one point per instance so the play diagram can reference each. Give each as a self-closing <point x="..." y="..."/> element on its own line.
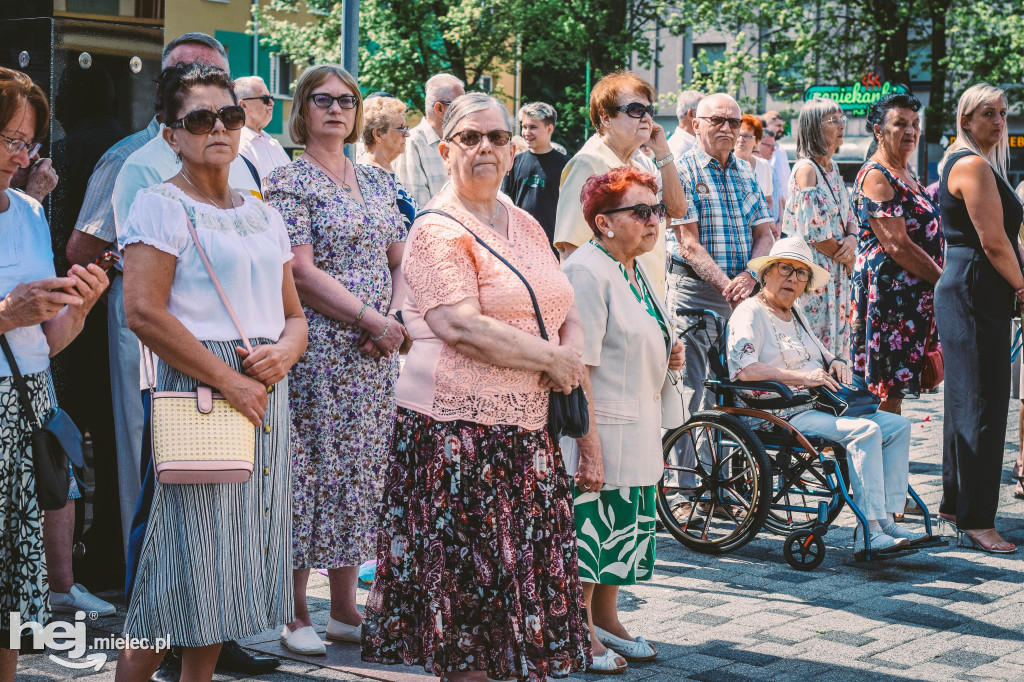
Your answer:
<point x="713" y="496"/>
<point x="804" y="550"/>
<point x="806" y="491"/>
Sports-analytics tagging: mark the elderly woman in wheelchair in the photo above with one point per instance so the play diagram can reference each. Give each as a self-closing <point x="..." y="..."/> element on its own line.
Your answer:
<point x="769" y="341"/>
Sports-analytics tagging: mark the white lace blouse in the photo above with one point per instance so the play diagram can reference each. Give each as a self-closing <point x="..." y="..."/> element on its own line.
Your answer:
<point x="247" y="247"/>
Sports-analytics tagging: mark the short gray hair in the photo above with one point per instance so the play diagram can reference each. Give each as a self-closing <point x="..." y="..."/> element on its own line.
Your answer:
<point x="245" y="86"/>
<point x="810" y="136"/>
<point x="687" y="101"/>
<point x="194" y="38"/>
<point x="471" y="103"/>
<point x="441" y="88"/>
<point x="540" y="111"/>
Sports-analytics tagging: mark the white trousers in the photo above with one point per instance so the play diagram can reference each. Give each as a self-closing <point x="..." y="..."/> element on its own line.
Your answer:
<point x="128" y="413"/>
<point x="878" y="452"/>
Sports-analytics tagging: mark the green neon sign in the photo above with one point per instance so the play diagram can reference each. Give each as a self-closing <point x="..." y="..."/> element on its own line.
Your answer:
<point x="857" y="98"/>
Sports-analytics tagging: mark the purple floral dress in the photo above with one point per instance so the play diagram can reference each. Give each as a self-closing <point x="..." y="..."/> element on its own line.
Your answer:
<point x="892" y="312"/>
<point x="342" y="402"/>
<point x="816" y="214"/>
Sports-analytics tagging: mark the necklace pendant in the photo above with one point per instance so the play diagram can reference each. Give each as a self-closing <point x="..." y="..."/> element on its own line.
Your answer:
<point x="348" y="190"/>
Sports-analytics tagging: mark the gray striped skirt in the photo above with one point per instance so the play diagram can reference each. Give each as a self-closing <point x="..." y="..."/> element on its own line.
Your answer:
<point x="216" y="562"/>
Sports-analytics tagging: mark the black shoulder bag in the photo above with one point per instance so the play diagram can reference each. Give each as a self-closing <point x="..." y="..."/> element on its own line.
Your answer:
<point x="55" y="440"/>
<point x="567" y="414"/>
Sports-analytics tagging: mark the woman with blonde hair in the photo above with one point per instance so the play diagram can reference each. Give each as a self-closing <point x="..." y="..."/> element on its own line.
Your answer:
<point x="974" y="301"/>
<point x="348" y="238"/>
<point x="384" y="134"/>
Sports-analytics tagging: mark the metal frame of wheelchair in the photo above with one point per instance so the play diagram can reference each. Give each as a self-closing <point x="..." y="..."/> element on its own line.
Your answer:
<point x="796" y="491"/>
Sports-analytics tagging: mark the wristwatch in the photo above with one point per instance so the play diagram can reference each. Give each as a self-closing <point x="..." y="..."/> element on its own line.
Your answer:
<point x="659" y="164"/>
<point x="751" y="273"/>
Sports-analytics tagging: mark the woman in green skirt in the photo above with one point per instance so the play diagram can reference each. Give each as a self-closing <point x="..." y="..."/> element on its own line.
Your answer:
<point x="629" y="351"/>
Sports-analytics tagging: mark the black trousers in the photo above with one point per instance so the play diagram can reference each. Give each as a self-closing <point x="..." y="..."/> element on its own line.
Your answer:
<point x="973" y="305"/>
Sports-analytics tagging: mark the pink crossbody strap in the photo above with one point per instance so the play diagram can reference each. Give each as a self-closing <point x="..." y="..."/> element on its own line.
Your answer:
<point x="148" y="363"/>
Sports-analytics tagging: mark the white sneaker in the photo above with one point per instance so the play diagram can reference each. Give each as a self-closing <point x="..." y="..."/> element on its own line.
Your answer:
<point x="80" y="599"/>
<point x="880" y="541"/>
<point x="303" y="641"/>
<point x="897" y="531"/>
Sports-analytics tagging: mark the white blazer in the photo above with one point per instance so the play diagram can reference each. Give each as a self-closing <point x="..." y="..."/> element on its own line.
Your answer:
<point x="628" y="359"/>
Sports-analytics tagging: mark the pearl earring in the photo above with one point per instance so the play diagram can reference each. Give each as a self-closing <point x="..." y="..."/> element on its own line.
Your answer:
<point x="610" y="234"/>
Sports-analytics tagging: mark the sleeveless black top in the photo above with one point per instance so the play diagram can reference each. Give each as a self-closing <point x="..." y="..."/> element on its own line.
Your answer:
<point x="956" y="222"/>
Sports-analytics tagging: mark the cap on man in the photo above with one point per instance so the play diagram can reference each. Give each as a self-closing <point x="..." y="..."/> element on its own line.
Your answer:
<point x="257" y="145"/>
<point x="420" y="167"/>
<point x="536" y="173"/>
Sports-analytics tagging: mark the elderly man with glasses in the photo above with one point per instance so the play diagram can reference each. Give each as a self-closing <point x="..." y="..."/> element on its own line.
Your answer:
<point x="727" y="223"/>
<point x="256" y="144"/>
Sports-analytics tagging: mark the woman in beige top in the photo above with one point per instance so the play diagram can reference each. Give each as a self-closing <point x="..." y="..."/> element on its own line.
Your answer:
<point x="629" y="348"/>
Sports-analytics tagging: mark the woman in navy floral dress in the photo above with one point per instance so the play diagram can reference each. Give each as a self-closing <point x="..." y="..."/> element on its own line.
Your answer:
<point x="899" y="258"/>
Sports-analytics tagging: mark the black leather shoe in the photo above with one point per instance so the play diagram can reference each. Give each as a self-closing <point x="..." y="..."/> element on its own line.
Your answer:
<point x="235" y="659"/>
<point x="170" y="667"/>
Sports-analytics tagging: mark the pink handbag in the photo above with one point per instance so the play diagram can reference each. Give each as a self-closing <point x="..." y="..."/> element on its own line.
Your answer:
<point x="197" y="436"/>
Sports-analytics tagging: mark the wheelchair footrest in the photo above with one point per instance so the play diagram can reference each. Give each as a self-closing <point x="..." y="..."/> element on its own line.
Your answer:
<point x="875" y="555"/>
<point x="933" y="541"/>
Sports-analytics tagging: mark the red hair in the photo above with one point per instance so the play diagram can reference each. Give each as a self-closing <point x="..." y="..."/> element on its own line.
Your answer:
<point x="605" y="95"/>
<point x="755" y="123"/>
<point x="604" y="192"/>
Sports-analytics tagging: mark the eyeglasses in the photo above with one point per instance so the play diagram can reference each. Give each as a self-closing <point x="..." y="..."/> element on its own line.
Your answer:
<point x="471" y="138"/>
<point x="636" y="109"/>
<point x="15" y="146"/>
<point x="404" y="130"/>
<point x="835" y="120"/>
<point x="201" y="121"/>
<point x="324" y="101"/>
<point x="266" y="99"/>
<point x="744" y="136"/>
<point x="718" y="121"/>
<point x="642" y="211"/>
<point x="768" y="133"/>
<point x="785" y="269"/>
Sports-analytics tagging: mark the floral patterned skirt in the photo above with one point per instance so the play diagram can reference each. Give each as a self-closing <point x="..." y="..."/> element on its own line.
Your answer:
<point x="476" y="558"/>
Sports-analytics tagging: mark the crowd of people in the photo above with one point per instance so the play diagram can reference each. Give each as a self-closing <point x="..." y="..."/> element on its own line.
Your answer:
<point x="294" y="288"/>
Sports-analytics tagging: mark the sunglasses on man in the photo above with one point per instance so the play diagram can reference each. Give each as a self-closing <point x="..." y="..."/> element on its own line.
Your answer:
<point x="201" y="121"/>
<point x="642" y="212"/>
<point x="266" y="99"/>
<point x="719" y="121"/>
<point x="636" y="109"/>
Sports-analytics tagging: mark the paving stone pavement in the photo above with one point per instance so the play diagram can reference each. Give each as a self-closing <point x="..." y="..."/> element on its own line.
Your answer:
<point x="942" y="614"/>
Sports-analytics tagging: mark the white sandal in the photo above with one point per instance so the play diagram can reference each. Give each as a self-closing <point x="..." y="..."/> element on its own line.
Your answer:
<point x="636" y="650"/>
<point x="605" y="664"/>
<point x="303" y="641"/>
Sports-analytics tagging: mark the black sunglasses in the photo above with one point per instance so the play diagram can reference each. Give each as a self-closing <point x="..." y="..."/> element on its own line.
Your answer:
<point x="642" y="211"/>
<point x="636" y="109"/>
<point x="471" y="138"/>
<point x="266" y="99"/>
<point x="324" y="101"/>
<point x="201" y="121"/>
<point x="719" y="121"/>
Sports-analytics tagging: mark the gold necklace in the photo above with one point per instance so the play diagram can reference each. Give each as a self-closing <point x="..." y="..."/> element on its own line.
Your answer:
<point x="344" y="185"/>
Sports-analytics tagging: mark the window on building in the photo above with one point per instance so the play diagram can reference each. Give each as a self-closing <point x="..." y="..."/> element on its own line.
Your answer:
<point x="712" y="52"/>
<point x="111" y="7"/>
<point x="149" y="9"/>
<point x="486" y="83"/>
<point x="282" y="73"/>
<point x="919" y="54"/>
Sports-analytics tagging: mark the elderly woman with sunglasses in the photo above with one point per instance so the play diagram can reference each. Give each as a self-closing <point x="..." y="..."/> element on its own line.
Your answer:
<point x="214" y="563"/>
<point x="384" y="135"/>
<point x="348" y="238"/>
<point x="622" y="112"/>
<point x="476" y="568"/>
<point x="819" y="209"/>
<point x="770" y="340"/>
<point x="629" y="350"/>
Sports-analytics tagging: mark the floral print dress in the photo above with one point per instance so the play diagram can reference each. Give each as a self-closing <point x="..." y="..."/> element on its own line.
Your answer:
<point x="816" y="214"/>
<point x="892" y="312"/>
<point x="342" y="402"/>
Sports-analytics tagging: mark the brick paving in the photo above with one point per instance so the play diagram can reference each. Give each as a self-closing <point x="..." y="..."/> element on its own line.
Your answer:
<point x="942" y="614"/>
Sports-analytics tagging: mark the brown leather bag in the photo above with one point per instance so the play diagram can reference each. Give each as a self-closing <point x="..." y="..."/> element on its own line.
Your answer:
<point x="932" y="365"/>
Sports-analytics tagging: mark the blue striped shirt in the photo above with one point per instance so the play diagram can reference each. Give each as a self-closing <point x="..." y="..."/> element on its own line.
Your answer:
<point x="726" y="204"/>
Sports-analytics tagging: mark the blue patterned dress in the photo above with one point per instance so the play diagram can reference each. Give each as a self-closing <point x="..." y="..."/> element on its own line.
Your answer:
<point x="892" y="310"/>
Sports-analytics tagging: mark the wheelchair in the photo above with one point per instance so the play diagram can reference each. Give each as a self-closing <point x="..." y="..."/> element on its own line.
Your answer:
<point x="743" y="478"/>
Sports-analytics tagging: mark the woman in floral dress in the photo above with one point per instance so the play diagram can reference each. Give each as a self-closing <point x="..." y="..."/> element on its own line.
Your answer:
<point x="819" y="210"/>
<point x="348" y="237"/>
<point x="899" y="258"/>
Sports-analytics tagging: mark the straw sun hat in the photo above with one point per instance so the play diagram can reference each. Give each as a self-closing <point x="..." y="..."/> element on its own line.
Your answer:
<point x="794" y="249"/>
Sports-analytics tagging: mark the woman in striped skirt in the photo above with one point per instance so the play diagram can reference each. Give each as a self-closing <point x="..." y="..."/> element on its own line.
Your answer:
<point x="215" y="564"/>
